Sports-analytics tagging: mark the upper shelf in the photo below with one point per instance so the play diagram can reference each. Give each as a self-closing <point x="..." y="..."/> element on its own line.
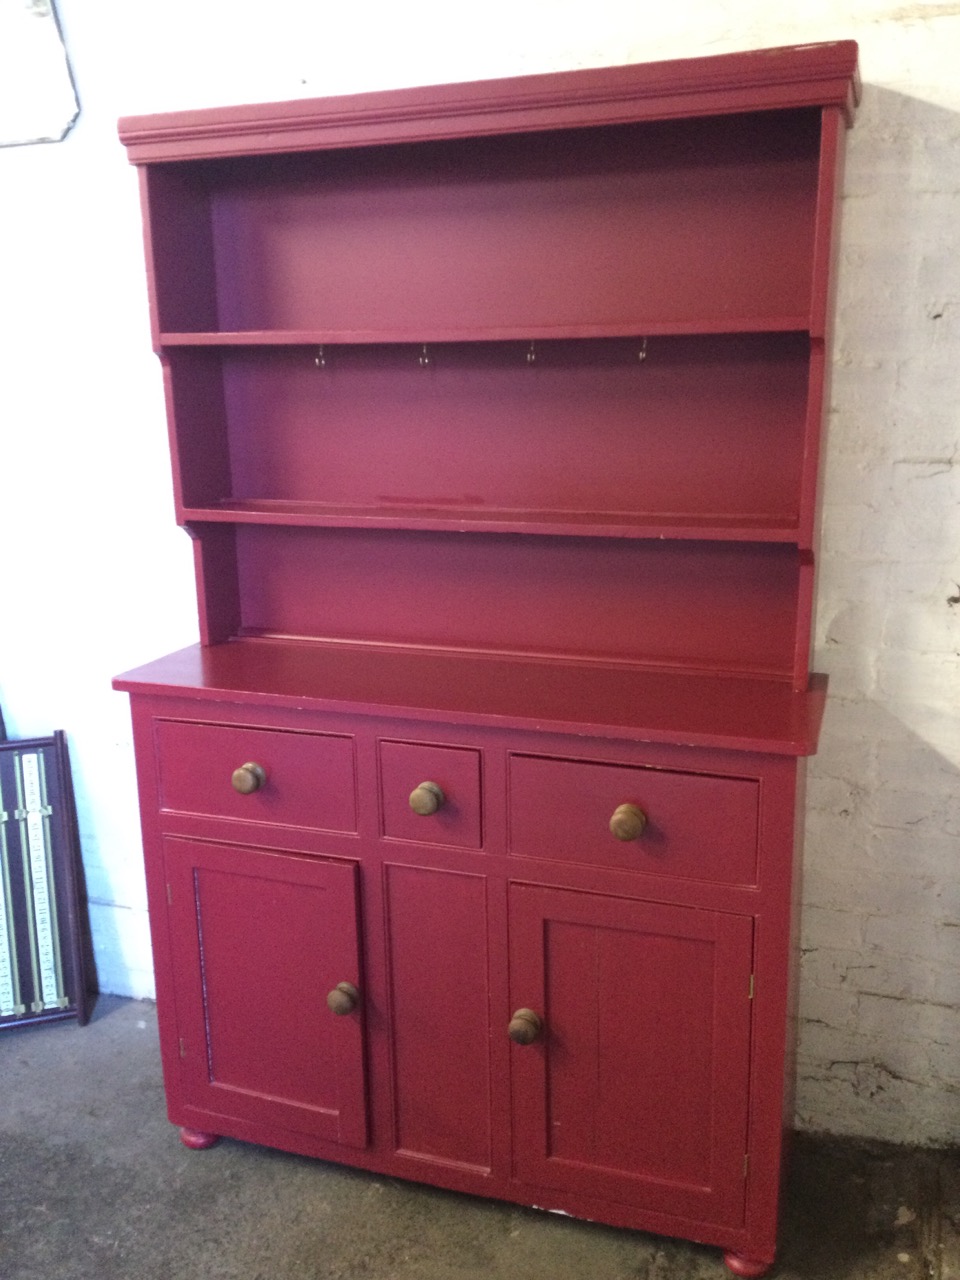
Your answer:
<point x="663" y="227"/>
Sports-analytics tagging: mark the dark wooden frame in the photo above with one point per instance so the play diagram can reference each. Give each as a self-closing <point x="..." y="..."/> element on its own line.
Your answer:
<point x="43" y="971"/>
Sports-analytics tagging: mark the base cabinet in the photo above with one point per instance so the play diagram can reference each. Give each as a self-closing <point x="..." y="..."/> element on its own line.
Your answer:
<point x="583" y="1023"/>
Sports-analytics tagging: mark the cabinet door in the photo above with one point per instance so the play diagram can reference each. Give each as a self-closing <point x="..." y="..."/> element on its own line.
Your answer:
<point x="258" y="940"/>
<point x="438" y="963"/>
<point x="637" y="1087"/>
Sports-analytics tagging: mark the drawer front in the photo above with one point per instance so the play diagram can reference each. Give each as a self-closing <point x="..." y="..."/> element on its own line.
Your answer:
<point x="453" y="771"/>
<point x="308" y="778"/>
<point x="698" y="827"/>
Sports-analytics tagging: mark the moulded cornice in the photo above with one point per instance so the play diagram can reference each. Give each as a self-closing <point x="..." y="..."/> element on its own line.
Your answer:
<point x="816" y="75"/>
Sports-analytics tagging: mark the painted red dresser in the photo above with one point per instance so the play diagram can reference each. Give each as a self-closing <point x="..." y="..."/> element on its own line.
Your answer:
<point x="471" y="825"/>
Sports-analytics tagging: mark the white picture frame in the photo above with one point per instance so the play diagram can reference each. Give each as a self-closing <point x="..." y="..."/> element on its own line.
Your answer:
<point x="38" y="101"/>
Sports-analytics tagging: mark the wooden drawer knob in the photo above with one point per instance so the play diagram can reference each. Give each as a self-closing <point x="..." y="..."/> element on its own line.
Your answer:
<point x="343" y="999"/>
<point x="248" y="778"/>
<point x="426" y="799"/>
<point x="628" y="822"/>
<point x="525" y="1027"/>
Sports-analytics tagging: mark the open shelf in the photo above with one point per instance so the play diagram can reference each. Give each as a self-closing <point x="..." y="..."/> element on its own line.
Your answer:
<point x="694" y="606"/>
<point x="679" y="437"/>
<point x="702" y="225"/>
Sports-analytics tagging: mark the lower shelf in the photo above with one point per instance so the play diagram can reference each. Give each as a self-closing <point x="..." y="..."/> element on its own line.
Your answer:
<point x="465" y="519"/>
<point x="741" y="713"/>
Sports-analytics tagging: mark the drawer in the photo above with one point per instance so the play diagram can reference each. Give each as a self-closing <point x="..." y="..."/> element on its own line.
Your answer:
<point x="698" y="826"/>
<point x="454" y="772"/>
<point x="308" y="779"/>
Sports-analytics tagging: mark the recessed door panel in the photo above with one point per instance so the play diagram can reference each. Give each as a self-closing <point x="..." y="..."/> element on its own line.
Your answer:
<point x="637" y="1088"/>
<point x="259" y="939"/>
<point x="437" y="933"/>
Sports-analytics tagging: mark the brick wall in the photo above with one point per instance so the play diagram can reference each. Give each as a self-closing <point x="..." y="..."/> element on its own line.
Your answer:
<point x="880" y="1036"/>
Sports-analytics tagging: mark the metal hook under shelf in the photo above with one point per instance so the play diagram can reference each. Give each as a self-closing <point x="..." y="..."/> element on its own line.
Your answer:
<point x="425" y="359"/>
<point x="532" y="353"/>
<point x="642" y="353"/>
<point x="320" y="360"/>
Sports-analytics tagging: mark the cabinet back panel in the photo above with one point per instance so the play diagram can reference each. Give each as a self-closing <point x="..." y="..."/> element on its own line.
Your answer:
<point x="668" y="221"/>
<point x="713" y="606"/>
<point x="702" y="426"/>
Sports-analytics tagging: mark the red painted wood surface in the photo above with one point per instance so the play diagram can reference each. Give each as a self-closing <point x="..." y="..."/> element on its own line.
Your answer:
<point x="711" y="607"/>
<point x="408" y="930"/>
<point x="310" y="779"/>
<point x="634" y="704"/>
<point x="638" y="1090"/>
<point x="701" y="431"/>
<point x="438" y="942"/>
<point x="196" y="1139"/>
<point x="716" y="221"/>
<point x="218" y="583"/>
<point x="804" y="75"/>
<point x="697" y="827"/>
<point x="455" y="770"/>
<point x="537" y="524"/>
<point x="179" y="247"/>
<point x="258" y="940"/>
<point x="635" y="214"/>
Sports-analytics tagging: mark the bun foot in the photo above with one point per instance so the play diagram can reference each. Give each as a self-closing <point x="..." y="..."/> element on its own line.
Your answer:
<point x="741" y="1266"/>
<point x="196" y="1140"/>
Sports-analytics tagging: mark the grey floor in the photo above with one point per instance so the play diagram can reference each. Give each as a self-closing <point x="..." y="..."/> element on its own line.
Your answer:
<point x="95" y="1184"/>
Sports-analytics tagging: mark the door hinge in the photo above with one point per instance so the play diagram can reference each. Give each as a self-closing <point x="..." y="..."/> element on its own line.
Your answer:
<point x="169" y="896"/>
<point x="752" y="987"/>
<point x="183" y="1048"/>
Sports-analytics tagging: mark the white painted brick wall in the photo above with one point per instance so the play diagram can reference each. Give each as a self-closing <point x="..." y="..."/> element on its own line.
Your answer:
<point x="880" y="1030"/>
<point x="880" y="1034"/>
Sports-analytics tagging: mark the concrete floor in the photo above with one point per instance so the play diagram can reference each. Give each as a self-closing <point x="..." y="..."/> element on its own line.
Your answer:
<point x="94" y="1185"/>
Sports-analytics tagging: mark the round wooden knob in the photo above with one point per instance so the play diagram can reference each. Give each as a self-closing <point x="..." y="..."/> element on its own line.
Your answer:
<point x="343" y="999"/>
<point x="525" y="1027"/>
<point x="248" y="778"/>
<point x="628" y="822"/>
<point x="426" y="799"/>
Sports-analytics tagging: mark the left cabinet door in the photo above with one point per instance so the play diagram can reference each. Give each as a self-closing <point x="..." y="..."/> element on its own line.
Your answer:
<point x="258" y="939"/>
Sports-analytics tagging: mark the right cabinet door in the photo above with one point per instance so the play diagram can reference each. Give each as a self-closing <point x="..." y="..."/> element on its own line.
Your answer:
<point x="637" y="1088"/>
